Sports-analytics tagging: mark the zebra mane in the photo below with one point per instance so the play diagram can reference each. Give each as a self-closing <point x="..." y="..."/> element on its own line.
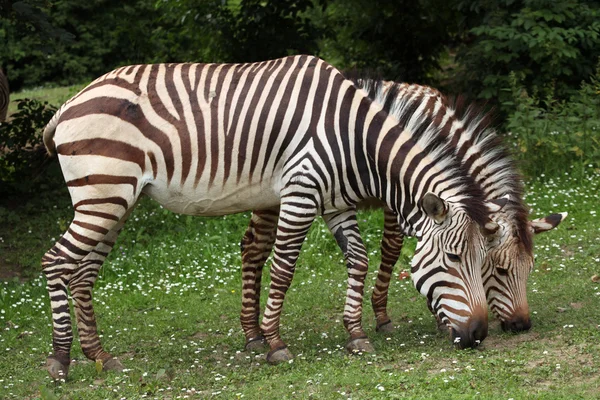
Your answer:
<point x="489" y="151"/>
<point x="465" y="137"/>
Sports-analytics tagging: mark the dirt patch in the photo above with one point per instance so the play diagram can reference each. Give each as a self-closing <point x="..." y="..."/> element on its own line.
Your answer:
<point x="495" y="342"/>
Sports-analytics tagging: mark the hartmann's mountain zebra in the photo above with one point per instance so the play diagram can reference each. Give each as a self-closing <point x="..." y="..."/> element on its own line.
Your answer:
<point x="4" y="96"/>
<point x="510" y="253"/>
<point x="213" y="139"/>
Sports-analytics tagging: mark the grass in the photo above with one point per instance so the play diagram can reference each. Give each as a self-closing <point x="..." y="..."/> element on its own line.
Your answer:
<point x="168" y="298"/>
<point x="52" y="95"/>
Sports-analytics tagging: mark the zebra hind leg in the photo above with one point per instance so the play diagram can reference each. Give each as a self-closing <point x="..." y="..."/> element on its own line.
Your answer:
<point x="391" y="245"/>
<point x="63" y="263"/>
<point x="344" y="227"/>
<point x="256" y="246"/>
<point x="81" y="286"/>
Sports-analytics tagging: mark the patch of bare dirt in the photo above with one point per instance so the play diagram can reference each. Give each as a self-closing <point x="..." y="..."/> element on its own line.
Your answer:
<point x="496" y="342"/>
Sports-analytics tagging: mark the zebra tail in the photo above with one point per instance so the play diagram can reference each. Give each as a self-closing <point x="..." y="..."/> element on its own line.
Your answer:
<point x="49" y="131"/>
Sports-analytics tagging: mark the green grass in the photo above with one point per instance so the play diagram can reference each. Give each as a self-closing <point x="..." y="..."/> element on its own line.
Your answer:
<point x="168" y="300"/>
<point x="53" y="95"/>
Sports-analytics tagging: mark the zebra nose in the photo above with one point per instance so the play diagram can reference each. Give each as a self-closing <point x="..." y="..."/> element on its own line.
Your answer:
<point x="471" y="337"/>
<point x="518" y="324"/>
<point x="479" y="331"/>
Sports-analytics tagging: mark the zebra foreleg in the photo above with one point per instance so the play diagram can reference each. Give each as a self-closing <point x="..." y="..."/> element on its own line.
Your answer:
<point x="295" y="218"/>
<point x="391" y="245"/>
<point x="256" y="246"/>
<point x="345" y="230"/>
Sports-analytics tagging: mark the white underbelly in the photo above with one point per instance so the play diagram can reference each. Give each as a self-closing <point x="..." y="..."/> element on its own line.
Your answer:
<point x="216" y="200"/>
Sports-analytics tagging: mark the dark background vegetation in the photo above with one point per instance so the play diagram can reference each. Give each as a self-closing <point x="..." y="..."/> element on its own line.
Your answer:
<point x="535" y="61"/>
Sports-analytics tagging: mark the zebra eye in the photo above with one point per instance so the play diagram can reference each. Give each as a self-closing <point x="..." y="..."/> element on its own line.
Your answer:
<point x="502" y="271"/>
<point x="453" y="257"/>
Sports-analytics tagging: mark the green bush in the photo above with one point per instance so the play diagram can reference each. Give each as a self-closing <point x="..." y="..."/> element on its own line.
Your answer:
<point x="554" y="137"/>
<point x="23" y="159"/>
<point x="550" y="45"/>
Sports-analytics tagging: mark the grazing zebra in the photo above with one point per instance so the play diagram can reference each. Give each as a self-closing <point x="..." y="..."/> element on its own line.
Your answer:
<point x="4" y="96"/>
<point x="292" y="134"/>
<point x="509" y="258"/>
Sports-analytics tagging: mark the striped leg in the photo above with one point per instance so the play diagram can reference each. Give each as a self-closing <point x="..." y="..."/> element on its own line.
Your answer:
<point x="256" y="246"/>
<point x="344" y="227"/>
<point x="81" y="286"/>
<point x="295" y="219"/>
<point x="94" y="218"/>
<point x="391" y="245"/>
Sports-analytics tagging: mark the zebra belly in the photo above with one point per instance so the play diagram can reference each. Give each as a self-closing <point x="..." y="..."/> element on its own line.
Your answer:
<point x="216" y="200"/>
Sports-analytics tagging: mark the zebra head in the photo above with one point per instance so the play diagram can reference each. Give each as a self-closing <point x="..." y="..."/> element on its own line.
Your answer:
<point x="446" y="267"/>
<point x="507" y="267"/>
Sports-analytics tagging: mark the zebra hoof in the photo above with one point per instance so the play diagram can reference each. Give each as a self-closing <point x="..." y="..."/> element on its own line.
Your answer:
<point x="386" y="327"/>
<point x="56" y="369"/>
<point x="257" y="344"/>
<point x="360" y="345"/>
<point x="112" y="364"/>
<point x="279" y="356"/>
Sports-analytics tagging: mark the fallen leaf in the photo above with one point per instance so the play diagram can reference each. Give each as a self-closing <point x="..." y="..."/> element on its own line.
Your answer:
<point x="99" y="365"/>
<point x="576" y="306"/>
<point x="562" y="309"/>
<point x="403" y="275"/>
<point x="23" y="334"/>
<point x="596" y="278"/>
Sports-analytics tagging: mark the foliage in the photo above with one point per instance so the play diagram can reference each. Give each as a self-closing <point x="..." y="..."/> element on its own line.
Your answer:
<point x="23" y="157"/>
<point x="553" y="136"/>
<point x="119" y="33"/>
<point x="399" y="40"/>
<point x="551" y="46"/>
<point x="241" y="30"/>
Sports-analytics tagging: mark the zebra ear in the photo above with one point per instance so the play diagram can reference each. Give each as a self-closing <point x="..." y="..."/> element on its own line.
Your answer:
<point x="547" y="223"/>
<point x="434" y="207"/>
<point x="496" y="205"/>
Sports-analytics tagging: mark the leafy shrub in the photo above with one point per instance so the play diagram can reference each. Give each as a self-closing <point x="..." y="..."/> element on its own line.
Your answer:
<point x="400" y="40"/>
<point x="555" y="136"/>
<point x="550" y="45"/>
<point x="23" y="157"/>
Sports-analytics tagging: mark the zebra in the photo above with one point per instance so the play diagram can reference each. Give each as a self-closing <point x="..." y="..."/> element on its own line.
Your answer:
<point x="509" y="258"/>
<point x="4" y="96"/>
<point x="290" y="133"/>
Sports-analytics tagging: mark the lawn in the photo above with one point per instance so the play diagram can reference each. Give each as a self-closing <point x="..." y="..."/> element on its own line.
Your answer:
<point x="168" y="301"/>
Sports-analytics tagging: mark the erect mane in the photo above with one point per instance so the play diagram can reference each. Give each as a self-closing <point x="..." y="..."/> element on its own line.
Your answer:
<point x="465" y="136"/>
<point x="426" y="133"/>
<point x="491" y="164"/>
